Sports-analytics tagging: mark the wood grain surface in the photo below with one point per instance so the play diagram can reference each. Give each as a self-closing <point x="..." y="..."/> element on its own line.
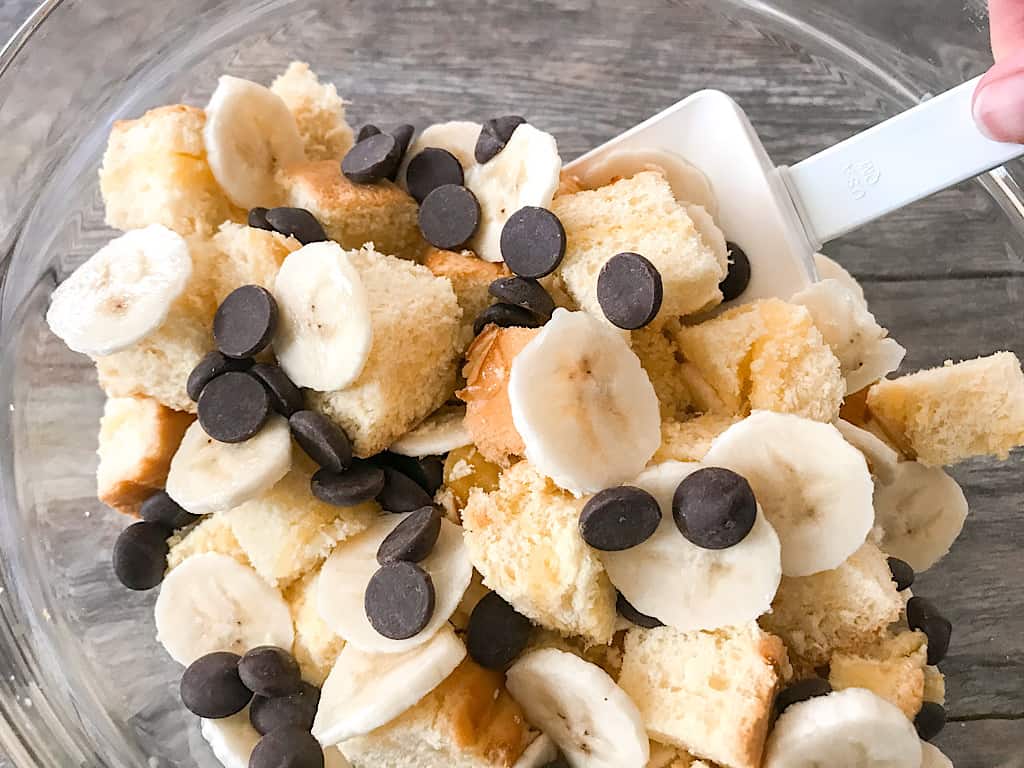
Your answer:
<point x="911" y="289"/>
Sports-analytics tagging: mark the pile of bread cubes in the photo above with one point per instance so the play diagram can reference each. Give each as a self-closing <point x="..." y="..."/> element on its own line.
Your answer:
<point x="706" y="697"/>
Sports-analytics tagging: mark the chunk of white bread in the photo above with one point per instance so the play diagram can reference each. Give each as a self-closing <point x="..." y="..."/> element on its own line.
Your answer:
<point x="410" y="371"/>
<point x="661" y="359"/>
<point x="766" y="355"/>
<point x="845" y="609"/>
<point x="524" y="539"/>
<point x="353" y="214"/>
<point x="709" y="693"/>
<point x="690" y="440"/>
<point x="211" y="534"/>
<point x="955" y="412"/>
<point x="470" y="277"/>
<point x="318" y="110"/>
<point x="155" y="171"/>
<point x="138" y="438"/>
<point x="286" y="531"/>
<point x="641" y="215"/>
<point x="316" y="646"/>
<point x="469" y="721"/>
<point x="664" y="756"/>
<point x="158" y="365"/>
<point x="893" y="668"/>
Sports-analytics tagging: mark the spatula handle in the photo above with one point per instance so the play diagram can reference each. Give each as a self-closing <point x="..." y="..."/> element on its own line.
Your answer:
<point x="908" y="157"/>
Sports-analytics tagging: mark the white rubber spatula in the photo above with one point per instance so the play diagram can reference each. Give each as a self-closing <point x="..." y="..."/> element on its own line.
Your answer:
<point x="780" y="215"/>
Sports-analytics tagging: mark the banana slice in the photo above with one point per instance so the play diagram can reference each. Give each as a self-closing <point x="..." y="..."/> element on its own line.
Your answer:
<point x="710" y="588"/>
<point x="853" y="728"/>
<point x="122" y="293"/>
<point x="211" y="602"/>
<point x="342" y="585"/>
<point x="710" y="233"/>
<point x="921" y="512"/>
<point x="814" y="487"/>
<point x="932" y="757"/>
<point x="209" y="476"/>
<point x="458" y="137"/>
<point x="882" y="460"/>
<point x="689" y="184"/>
<point x="249" y="135"/>
<point x="857" y="340"/>
<point x="525" y="172"/>
<point x="828" y="268"/>
<point x="232" y="740"/>
<point x="541" y="753"/>
<point x="584" y="406"/>
<point x="324" y="331"/>
<point x="443" y="431"/>
<point x="576" y="703"/>
<point x="367" y="690"/>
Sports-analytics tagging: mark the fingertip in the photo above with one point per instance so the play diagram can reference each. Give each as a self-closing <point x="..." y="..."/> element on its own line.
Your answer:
<point x="998" y="104"/>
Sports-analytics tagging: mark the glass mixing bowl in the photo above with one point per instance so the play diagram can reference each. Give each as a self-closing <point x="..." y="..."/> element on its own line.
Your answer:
<point x="83" y="681"/>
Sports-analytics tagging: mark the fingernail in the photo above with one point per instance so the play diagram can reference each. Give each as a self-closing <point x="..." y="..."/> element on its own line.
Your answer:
<point x="999" y="108"/>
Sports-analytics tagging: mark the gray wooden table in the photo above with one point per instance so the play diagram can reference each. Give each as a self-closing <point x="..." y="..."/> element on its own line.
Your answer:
<point x="988" y="712"/>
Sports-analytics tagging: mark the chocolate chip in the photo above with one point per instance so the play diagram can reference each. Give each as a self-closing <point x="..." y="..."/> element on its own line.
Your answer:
<point x="285" y="397"/>
<point x="714" y="508"/>
<point x="924" y="616"/>
<point x="526" y="293"/>
<point x="619" y="518"/>
<point x="506" y="316"/>
<point x="902" y="573"/>
<point x="258" y="219"/>
<point x="533" y="242"/>
<point x="162" y="509"/>
<point x="629" y="291"/>
<point x="403" y="137"/>
<point x="413" y="538"/>
<point x="626" y="610"/>
<point x="211" y="687"/>
<point x="372" y="159"/>
<point x="298" y="223"/>
<point x="323" y="441"/>
<point x="210" y="367"/>
<point x="296" y="709"/>
<point x="366" y="132"/>
<point x="361" y="482"/>
<point x="287" y="747"/>
<point x="399" y="600"/>
<point x="738" y="277"/>
<point x="140" y="555"/>
<point x="802" y="690"/>
<point x="428" y="472"/>
<point x="401" y="493"/>
<point x="245" y="321"/>
<point x="494" y="135"/>
<point x="497" y="632"/>
<point x="233" y="407"/>
<point x="449" y="216"/>
<point x="268" y="670"/>
<point x="432" y="168"/>
<point x="930" y="720"/>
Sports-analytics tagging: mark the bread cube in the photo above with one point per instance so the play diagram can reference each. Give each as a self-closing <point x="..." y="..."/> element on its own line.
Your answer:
<point x="638" y="214"/>
<point x="155" y="172"/>
<point x="469" y="721"/>
<point x="352" y="214"/>
<point x="138" y="438"/>
<point x="524" y="539"/>
<point x="709" y="693"/>
<point x="488" y="410"/>
<point x="893" y="668"/>
<point x="316" y="646"/>
<point x="934" y="685"/>
<point x="318" y="110"/>
<point x="661" y="359"/>
<point x="246" y="256"/>
<point x="287" y="531"/>
<point x="766" y="355"/>
<point x="955" y="412"/>
<point x="470" y="277"/>
<point x="690" y="440"/>
<point x="211" y="534"/>
<point x="845" y="609"/>
<point x="411" y="368"/>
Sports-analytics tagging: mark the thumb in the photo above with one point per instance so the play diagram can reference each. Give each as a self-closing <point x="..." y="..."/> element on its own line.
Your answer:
<point x="999" y="100"/>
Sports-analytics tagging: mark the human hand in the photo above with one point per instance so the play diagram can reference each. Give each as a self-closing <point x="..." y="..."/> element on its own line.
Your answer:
<point x="999" y="99"/>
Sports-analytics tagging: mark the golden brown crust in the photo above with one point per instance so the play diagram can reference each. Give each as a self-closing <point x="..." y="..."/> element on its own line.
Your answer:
<point x="470" y="277"/>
